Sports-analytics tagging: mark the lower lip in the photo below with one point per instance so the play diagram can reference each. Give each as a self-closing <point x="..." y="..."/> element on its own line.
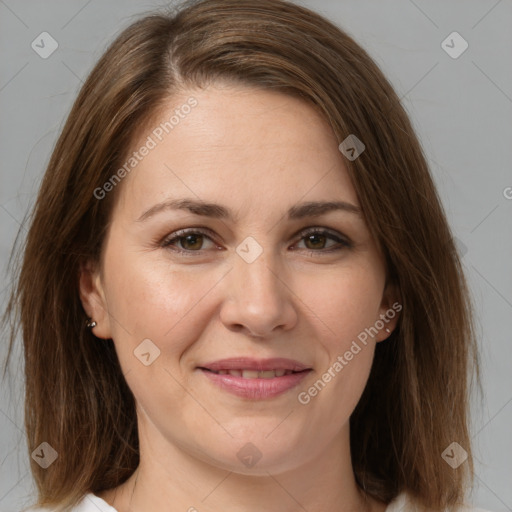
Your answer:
<point x="256" y="389"/>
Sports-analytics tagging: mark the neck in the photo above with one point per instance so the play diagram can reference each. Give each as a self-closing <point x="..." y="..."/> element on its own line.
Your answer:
<point x="171" y="479"/>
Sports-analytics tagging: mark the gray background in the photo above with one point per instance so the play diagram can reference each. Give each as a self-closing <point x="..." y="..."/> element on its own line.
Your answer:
<point x="461" y="109"/>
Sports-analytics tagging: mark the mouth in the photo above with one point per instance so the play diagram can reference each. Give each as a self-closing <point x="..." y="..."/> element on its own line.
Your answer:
<point x="249" y="368"/>
<point x="253" y="374"/>
<point x="255" y="379"/>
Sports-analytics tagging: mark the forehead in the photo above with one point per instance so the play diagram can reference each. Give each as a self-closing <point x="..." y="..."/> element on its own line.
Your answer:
<point x="247" y="147"/>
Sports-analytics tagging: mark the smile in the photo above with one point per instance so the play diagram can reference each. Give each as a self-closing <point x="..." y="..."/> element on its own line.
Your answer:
<point x="255" y="385"/>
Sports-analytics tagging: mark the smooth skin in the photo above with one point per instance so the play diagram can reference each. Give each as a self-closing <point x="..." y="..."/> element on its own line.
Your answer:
<point x="257" y="153"/>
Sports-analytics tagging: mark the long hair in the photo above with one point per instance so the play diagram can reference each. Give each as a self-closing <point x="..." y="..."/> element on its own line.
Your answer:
<point x="416" y="402"/>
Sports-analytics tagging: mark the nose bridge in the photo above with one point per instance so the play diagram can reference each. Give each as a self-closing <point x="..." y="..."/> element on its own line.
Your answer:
<point x="254" y="272"/>
<point x="258" y="300"/>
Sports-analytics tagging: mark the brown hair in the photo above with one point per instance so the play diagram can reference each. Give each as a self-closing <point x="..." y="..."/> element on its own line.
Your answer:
<point x="416" y="400"/>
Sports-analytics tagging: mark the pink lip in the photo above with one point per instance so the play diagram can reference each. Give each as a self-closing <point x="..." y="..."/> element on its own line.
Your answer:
<point x="255" y="389"/>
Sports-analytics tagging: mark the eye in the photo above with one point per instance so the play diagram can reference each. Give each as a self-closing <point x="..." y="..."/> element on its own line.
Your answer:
<point x="315" y="240"/>
<point x="190" y="240"/>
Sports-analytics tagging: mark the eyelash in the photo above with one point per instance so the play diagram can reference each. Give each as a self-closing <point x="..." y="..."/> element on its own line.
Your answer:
<point x="182" y="233"/>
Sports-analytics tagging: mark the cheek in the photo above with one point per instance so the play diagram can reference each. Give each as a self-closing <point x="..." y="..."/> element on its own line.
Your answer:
<point x="171" y="309"/>
<point x="147" y="299"/>
<point x="344" y="303"/>
<point x="343" y="312"/>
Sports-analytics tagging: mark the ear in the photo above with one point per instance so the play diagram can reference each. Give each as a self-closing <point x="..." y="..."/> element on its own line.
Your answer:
<point x="93" y="299"/>
<point x="389" y="311"/>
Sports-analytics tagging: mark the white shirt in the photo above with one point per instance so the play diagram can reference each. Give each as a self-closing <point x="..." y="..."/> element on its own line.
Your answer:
<point x="92" y="503"/>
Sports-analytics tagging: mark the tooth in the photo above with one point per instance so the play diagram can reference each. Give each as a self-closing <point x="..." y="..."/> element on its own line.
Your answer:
<point x="254" y="374"/>
<point x="249" y="374"/>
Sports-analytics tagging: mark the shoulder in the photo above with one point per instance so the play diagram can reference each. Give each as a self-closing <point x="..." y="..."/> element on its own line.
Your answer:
<point x="89" y="503"/>
<point x="403" y="503"/>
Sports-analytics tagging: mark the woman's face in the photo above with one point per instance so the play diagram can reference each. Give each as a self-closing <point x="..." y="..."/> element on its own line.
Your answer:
<point x="248" y="281"/>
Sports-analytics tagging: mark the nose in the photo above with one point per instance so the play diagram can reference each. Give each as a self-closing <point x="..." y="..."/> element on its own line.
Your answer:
<point x="258" y="300"/>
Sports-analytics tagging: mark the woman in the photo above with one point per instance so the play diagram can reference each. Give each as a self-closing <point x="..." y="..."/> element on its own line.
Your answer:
<point x="239" y="289"/>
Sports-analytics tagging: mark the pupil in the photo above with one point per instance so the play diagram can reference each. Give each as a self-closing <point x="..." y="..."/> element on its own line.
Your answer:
<point x="193" y="237"/>
<point x="311" y="237"/>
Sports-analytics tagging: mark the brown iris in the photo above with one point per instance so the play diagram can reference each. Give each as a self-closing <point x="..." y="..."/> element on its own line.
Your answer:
<point x="315" y="236"/>
<point x="198" y="238"/>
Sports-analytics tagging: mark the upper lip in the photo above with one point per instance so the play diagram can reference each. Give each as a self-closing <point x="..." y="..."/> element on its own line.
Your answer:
<point x="247" y="363"/>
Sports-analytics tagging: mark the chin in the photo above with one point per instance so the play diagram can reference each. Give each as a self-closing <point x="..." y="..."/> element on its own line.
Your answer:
<point x="255" y="451"/>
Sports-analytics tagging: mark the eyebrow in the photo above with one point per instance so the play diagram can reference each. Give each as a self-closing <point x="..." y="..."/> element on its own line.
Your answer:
<point x="217" y="211"/>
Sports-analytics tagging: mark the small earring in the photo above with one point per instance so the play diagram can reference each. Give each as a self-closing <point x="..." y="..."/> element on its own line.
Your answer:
<point x="387" y="330"/>
<point x="91" y="324"/>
